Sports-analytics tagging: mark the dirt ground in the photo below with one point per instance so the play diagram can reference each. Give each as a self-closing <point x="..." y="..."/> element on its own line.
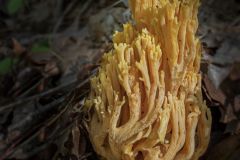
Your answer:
<point x="50" y="49"/>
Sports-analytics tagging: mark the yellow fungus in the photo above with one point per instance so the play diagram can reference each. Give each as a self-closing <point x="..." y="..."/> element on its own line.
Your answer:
<point x="146" y="101"/>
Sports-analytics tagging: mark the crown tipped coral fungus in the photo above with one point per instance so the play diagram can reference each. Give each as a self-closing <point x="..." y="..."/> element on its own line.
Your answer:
<point x="146" y="101"/>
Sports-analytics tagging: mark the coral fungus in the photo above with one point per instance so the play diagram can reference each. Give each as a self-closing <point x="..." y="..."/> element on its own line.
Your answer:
<point x="146" y="101"/>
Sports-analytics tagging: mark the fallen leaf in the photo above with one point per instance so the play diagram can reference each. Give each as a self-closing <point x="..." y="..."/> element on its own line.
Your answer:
<point x="228" y="53"/>
<point x="51" y="68"/>
<point x="103" y="24"/>
<point x="18" y="49"/>
<point x="215" y="93"/>
<point x="217" y="74"/>
<point x="229" y="114"/>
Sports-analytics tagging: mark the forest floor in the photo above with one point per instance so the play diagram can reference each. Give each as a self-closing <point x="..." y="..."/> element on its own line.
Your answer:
<point x="49" y="49"/>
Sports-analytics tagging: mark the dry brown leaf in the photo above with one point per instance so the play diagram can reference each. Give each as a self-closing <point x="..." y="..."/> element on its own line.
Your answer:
<point x="18" y="49"/>
<point x="216" y="94"/>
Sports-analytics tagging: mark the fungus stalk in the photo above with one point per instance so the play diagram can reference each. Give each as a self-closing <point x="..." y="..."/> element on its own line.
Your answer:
<point x="146" y="101"/>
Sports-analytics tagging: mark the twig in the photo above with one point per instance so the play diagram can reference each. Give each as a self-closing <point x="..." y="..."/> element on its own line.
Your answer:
<point x="59" y="22"/>
<point x="86" y="5"/>
<point x="58" y="132"/>
<point x="27" y="39"/>
<point x="31" y="88"/>
<point x="20" y="101"/>
<point x="125" y="2"/>
<point x="73" y="82"/>
<point x="9" y="151"/>
<point x="17" y="144"/>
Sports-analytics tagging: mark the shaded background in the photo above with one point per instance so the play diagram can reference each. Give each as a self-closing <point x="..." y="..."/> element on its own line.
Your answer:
<point x="50" y="48"/>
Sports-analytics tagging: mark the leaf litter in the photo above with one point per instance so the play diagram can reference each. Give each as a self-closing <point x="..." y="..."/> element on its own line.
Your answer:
<point x="57" y="50"/>
<point x="219" y="32"/>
